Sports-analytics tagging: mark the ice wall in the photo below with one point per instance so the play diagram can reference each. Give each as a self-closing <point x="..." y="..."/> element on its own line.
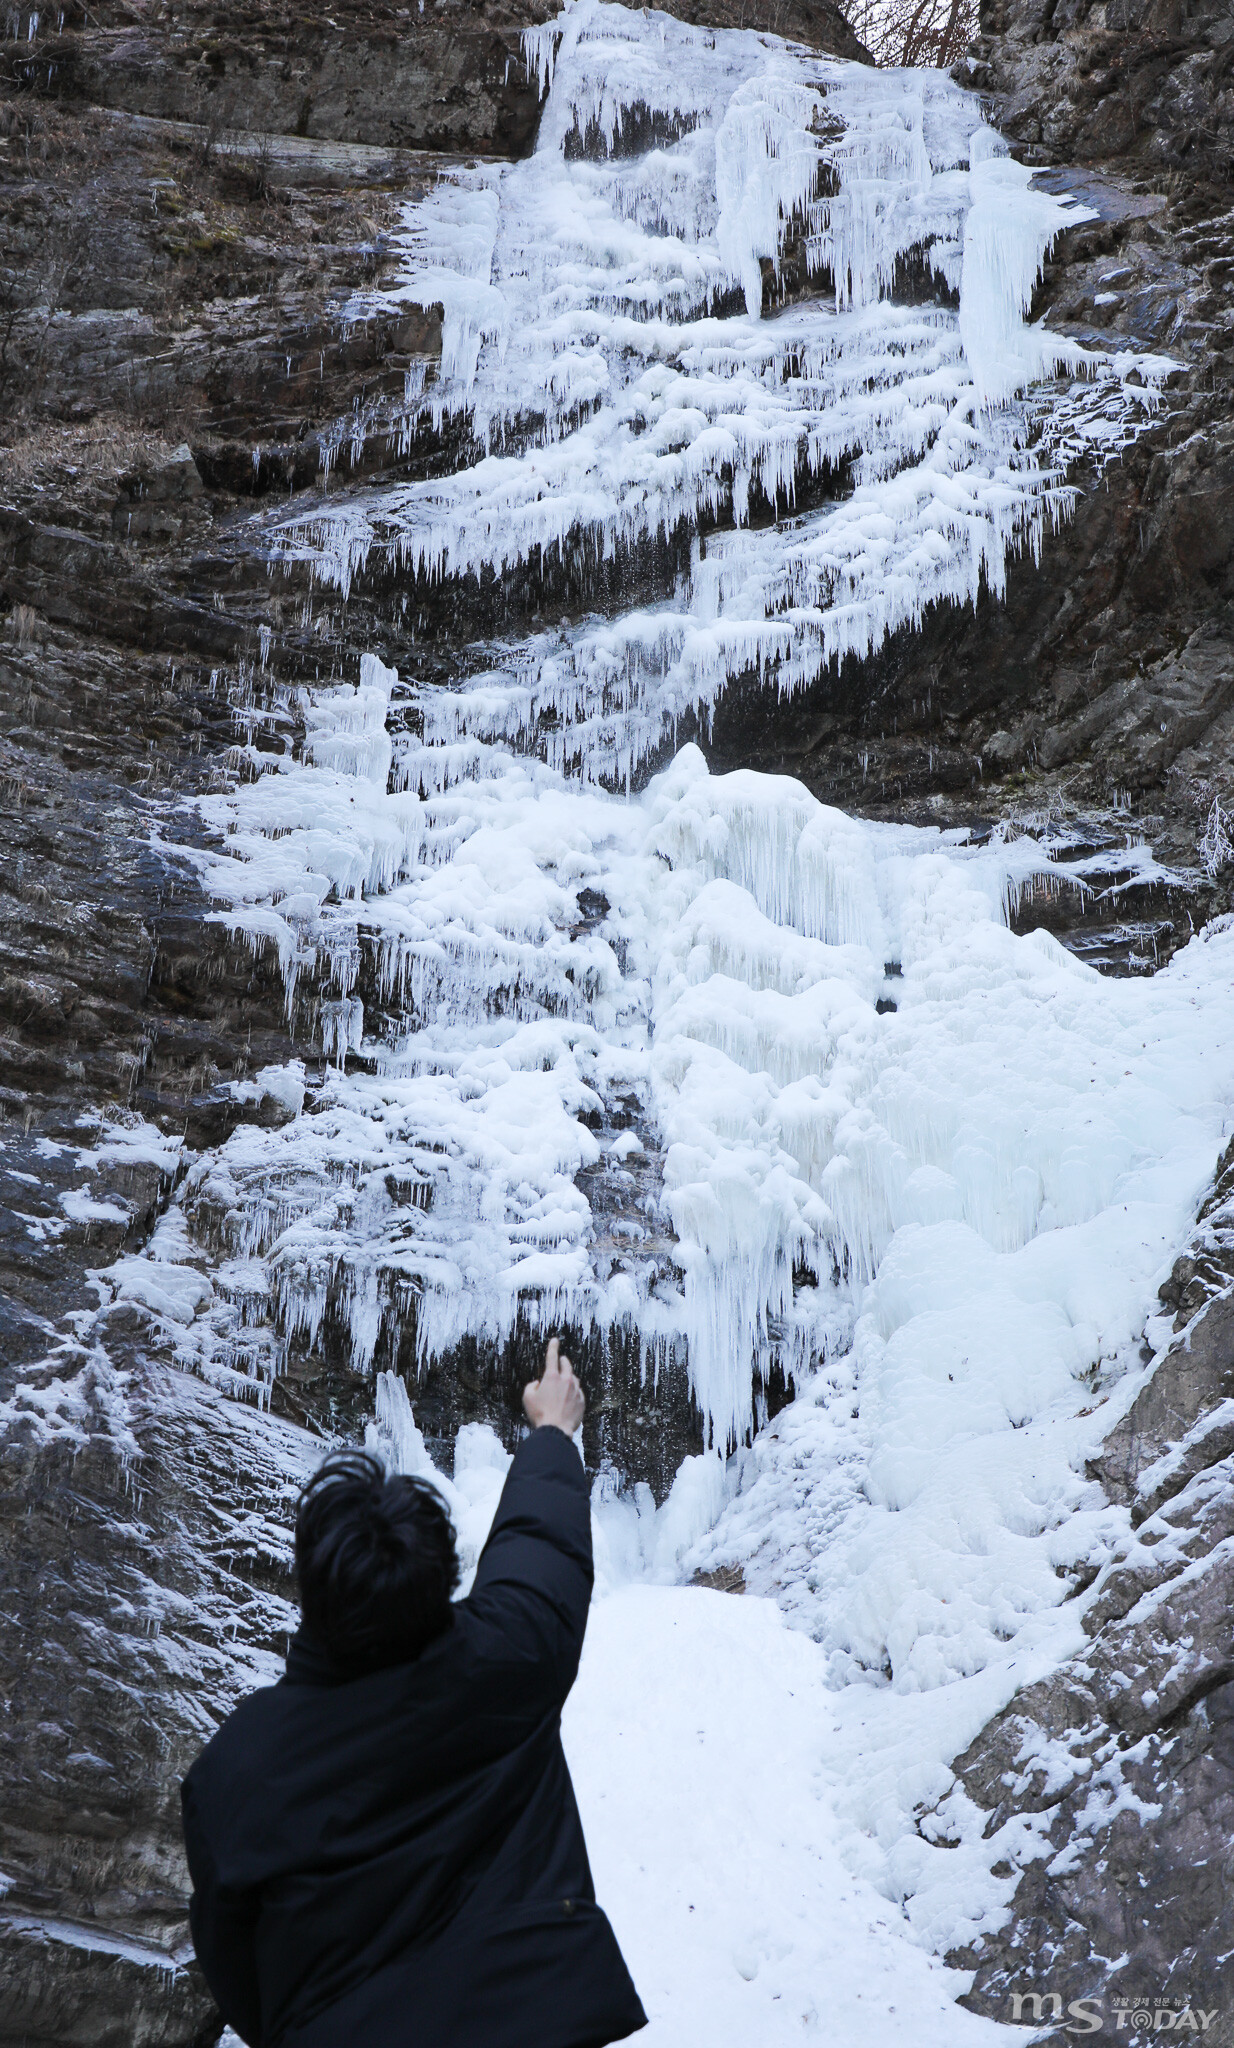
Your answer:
<point x="616" y="333"/>
<point x="688" y="1058"/>
<point x="521" y="981"/>
<point x="726" y="985"/>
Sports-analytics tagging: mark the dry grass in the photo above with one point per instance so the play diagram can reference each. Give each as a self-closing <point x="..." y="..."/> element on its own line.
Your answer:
<point x="107" y="445"/>
<point x="24" y="623"/>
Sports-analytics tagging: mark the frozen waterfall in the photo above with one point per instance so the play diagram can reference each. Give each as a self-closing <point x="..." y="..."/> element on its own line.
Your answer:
<point x="765" y="313"/>
<point x="618" y="331"/>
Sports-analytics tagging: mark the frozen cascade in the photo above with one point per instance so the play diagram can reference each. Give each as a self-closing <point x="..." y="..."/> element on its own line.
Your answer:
<point x="603" y="333"/>
<point x="593" y="341"/>
<point x="930" y="1170"/>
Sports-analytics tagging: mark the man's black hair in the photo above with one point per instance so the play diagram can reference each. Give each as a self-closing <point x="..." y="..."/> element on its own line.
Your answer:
<point x="375" y="1560"/>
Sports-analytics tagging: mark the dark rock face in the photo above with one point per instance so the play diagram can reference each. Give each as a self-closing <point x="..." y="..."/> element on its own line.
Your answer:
<point x="448" y="79"/>
<point x="1147" y="81"/>
<point x="145" y="1543"/>
<point x="1124" y="1755"/>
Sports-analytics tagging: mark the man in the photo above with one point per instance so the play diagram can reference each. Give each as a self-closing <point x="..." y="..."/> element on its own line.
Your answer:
<point x="384" y="1846"/>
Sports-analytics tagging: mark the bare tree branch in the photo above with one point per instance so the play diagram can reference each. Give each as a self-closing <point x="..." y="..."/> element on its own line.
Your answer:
<point x="931" y="32"/>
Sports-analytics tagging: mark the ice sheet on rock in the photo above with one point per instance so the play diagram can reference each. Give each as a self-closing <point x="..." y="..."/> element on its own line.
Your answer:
<point x="447" y="247"/>
<point x="317" y="831"/>
<point x="922" y="1509"/>
<point x="592" y="342"/>
<point x="1014" y="1174"/>
<point x="165" y="1277"/>
<point x="442" y="1183"/>
<point x="71" y="1396"/>
<point x="1007" y="234"/>
<point x="728" y="982"/>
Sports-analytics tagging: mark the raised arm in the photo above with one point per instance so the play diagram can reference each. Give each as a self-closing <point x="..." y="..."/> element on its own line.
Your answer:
<point x="533" y="1582"/>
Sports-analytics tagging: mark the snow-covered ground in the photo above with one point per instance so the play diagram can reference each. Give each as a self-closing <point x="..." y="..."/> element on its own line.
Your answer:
<point x="704" y="1746"/>
<point x="932" y="1170"/>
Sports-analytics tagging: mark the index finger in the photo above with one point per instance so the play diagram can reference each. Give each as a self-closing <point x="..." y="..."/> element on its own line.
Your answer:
<point x="551" y="1361"/>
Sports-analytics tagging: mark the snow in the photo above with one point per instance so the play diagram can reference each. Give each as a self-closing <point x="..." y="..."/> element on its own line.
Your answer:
<point x="163" y="1277"/>
<point x="730" y="989"/>
<point x="704" y="1746"/>
<point x="699" y="1737"/>
<point x="846" y="1123"/>
<point x="80" y="1206"/>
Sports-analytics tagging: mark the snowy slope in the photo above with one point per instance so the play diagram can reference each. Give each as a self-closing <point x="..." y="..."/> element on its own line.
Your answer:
<point x="699" y="1737"/>
<point x="932" y="1170"/>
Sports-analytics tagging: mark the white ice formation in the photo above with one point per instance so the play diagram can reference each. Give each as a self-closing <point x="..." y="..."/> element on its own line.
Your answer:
<point x="791" y="1045"/>
<point x="843" y="1119"/>
<point x="534" y="977"/>
<point x="602" y="340"/>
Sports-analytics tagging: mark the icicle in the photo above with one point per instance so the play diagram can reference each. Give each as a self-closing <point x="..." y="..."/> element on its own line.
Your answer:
<point x="1007" y="234"/>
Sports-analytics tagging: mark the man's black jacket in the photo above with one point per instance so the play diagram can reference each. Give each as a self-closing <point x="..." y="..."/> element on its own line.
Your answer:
<point x="397" y="1861"/>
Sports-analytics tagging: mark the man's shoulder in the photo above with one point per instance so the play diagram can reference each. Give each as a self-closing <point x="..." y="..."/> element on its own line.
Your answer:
<point x="280" y="1725"/>
<point x="246" y="1737"/>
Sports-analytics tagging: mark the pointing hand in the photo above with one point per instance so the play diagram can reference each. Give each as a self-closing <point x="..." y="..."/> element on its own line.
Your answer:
<point x="557" y="1398"/>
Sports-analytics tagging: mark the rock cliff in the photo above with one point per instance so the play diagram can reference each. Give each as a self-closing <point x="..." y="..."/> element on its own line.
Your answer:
<point x="1122" y="1757"/>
